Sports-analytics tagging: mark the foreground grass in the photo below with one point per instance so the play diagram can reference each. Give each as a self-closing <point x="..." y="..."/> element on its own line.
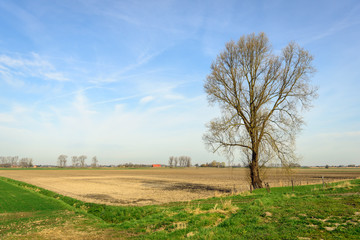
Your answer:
<point x="309" y="212"/>
<point x="25" y="213"/>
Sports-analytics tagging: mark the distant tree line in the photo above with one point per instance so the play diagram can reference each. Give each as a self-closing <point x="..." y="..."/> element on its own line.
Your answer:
<point x="77" y="161"/>
<point x="133" y="165"/>
<point x="340" y="166"/>
<point x="214" y="164"/>
<point x="14" y="161"/>
<point x="182" y="161"/>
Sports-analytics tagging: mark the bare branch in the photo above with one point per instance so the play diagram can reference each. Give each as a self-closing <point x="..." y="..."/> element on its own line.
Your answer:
<point x="261" y="96"/>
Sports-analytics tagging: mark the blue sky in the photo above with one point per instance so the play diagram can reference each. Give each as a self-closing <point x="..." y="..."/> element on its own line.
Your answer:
<point x="123" y="80"/>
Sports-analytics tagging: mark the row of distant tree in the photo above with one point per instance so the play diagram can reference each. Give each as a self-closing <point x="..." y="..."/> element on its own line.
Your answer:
<point x="15" y="161"/>
<point x="134" y="165"/>
<point x="182" y="161"/>
<point x="77" y="161"/>
<point x="214" y="164"/>
<point x="339" y="166"/>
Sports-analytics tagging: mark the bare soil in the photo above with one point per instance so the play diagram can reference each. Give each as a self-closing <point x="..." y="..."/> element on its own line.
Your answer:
<point x="164" y="185"/>
<point x="66" y="225"/>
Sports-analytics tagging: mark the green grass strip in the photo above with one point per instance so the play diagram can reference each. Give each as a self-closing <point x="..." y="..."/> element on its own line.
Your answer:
<point x="310" y="212"/>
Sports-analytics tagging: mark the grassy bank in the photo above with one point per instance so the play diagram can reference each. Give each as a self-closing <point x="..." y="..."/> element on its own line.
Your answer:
<point x="308" y="212"/>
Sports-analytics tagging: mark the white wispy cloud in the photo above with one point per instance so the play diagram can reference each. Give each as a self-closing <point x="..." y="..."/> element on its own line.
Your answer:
<point x="114" y="100"/>
<point x="57" y="76"/>
<point x="17" y="69"/>
<point x="146" y="99"/>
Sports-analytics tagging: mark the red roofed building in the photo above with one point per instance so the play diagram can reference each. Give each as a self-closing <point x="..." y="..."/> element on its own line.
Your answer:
<point x="156" y="165"/>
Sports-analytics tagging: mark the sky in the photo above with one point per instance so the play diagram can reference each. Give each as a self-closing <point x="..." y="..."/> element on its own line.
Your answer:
<point x="123" y="80"/>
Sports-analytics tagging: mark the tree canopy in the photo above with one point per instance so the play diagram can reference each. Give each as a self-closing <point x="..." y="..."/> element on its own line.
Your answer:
<point x="261" y="96"/>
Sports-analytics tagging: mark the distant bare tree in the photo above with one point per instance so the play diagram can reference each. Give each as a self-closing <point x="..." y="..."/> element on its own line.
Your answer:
<point x="30" y="162"/>
<point x="182" y="161"/>
<point x="62" y="160"/>
<point x="14" y="161"/>
<point x="261" y="96"/>
<point x="171" y="161"/>
<point x="175" y="161"/>
<point x="188" y="161"/>
<point x="5" y="162"/>
<point x="94" y="162"/>
<point x="25" y="162"/>
<point x="75" y="161"/>
<point x="82" y="159"/>
<point x="9" y="159"/>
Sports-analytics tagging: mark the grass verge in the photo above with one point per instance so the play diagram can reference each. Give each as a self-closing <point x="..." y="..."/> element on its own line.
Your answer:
<point x="309" y="212"/>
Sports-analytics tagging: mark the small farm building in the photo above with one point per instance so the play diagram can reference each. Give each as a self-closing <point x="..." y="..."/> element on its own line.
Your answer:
<point x="156" y="165"/>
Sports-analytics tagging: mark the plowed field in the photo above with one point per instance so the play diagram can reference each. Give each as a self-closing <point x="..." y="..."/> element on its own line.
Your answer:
<point x="163" y="185"/>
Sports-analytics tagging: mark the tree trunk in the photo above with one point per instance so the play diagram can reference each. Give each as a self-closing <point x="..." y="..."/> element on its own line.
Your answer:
<point x="254" y="172"/>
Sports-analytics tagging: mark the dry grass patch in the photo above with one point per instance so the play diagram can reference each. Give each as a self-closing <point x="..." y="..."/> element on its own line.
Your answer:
<point x="330" y="228"/>
<point x="245" y="193"/>
<point x="66" y="232"/>
<point x="289" y="195"/>
<point x="225" y="207"/>
<point x="66" y="225"/>
<point x="346" y="185"/>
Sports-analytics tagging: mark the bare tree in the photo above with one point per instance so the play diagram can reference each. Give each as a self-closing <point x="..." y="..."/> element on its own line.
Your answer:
<point x="5" y="162"/>
<point x="181" y="161"/>
<point x="82" y="160"/>
<point x="188" y="161"/>
<point x="175" y="161"/>
<point x="9" y="160"/>
<point x="25" y="162"/>
<point x="75" y="162"/>
<point x="171" y="161"/>
<point x="94" y="162"/>
<point x="30" y="162"/>
<point x="14" y="160"/>
<point x="261" y="96"/>
<point x="62" y="160"/>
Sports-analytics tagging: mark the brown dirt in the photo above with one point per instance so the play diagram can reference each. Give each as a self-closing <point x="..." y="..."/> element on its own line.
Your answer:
<point x="67" y="225"/>
<point x="157" y="186"/>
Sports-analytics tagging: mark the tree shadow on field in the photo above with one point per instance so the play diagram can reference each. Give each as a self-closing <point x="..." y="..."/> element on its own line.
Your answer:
<point x="190" y="187"/>
<point x="194" y="187"/>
